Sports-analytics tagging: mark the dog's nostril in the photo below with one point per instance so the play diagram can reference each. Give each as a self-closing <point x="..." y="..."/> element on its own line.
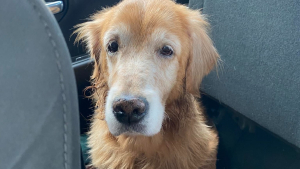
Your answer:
<point x="129" y="110"/>
<point x="136" y="111"/>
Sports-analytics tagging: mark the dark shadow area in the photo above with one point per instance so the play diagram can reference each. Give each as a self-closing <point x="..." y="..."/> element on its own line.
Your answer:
<point x="246" y="145"/>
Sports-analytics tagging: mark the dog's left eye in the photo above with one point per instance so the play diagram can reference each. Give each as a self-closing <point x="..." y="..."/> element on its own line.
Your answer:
<point x="166" y="51"/>
<point x="113" y="47"/>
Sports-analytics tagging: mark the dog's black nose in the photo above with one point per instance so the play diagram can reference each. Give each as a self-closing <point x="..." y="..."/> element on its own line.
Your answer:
<point x="130" y="110"/>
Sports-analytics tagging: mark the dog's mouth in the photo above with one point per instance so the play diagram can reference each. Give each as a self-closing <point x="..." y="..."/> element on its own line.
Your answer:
<point x="133" y="129"/>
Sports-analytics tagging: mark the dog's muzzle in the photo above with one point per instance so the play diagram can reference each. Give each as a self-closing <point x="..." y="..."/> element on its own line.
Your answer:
<point x="127" y="114"/>
<point x="130" y="110"/>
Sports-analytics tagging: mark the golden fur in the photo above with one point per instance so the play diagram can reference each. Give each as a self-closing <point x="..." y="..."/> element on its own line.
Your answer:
<point x="184" y="141"/>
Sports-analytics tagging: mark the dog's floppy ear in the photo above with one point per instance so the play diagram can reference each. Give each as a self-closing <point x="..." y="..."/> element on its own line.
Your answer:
<point x="90" y="33"/>
<point x="203" y="55"/>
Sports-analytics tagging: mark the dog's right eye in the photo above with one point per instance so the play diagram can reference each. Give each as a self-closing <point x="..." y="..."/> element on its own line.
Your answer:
<point x="113" y="47"/>
<point x="166" y="51"/>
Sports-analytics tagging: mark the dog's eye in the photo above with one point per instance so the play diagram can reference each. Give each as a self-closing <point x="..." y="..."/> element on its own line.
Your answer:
<point x="166" y="51"/>
<point x="113" y="47"/>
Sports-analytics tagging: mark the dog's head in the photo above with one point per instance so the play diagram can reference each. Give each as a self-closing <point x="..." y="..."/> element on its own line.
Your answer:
<point x="149" y="52"/>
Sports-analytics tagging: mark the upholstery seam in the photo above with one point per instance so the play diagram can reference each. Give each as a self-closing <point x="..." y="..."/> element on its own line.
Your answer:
<point x="61" y="78"/>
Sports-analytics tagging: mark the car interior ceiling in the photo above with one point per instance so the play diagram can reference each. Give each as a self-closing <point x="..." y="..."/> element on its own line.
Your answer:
<point x="244" y="144"/>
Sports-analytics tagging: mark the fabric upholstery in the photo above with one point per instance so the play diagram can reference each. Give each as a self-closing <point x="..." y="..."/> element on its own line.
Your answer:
<point x="259" y="43"/>
<point x="39" y="123"/>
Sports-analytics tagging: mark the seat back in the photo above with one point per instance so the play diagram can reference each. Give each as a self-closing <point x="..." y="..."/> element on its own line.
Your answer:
<point x="259" y="43"/>
<point x="39" y="118"/>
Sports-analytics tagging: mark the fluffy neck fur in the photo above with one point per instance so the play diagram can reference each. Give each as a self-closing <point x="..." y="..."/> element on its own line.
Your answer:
<point x="184" y="141"/>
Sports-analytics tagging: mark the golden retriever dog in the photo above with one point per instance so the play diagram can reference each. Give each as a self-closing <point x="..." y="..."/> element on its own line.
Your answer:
<point x="150" y="57"/>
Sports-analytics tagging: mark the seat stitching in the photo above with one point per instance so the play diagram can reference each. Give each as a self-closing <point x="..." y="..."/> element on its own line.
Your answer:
<point x="61" y="78"/>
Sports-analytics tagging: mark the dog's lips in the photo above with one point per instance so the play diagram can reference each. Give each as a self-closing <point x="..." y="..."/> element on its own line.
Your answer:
<point x="135" y="129"/>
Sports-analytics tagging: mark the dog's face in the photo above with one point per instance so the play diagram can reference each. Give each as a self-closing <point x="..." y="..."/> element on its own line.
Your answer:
<point x="151" y="51"/>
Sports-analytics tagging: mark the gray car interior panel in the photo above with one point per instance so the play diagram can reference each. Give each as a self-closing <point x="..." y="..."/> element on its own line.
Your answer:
<point x="39" y="124"/>
<point x="259" y="43"/>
